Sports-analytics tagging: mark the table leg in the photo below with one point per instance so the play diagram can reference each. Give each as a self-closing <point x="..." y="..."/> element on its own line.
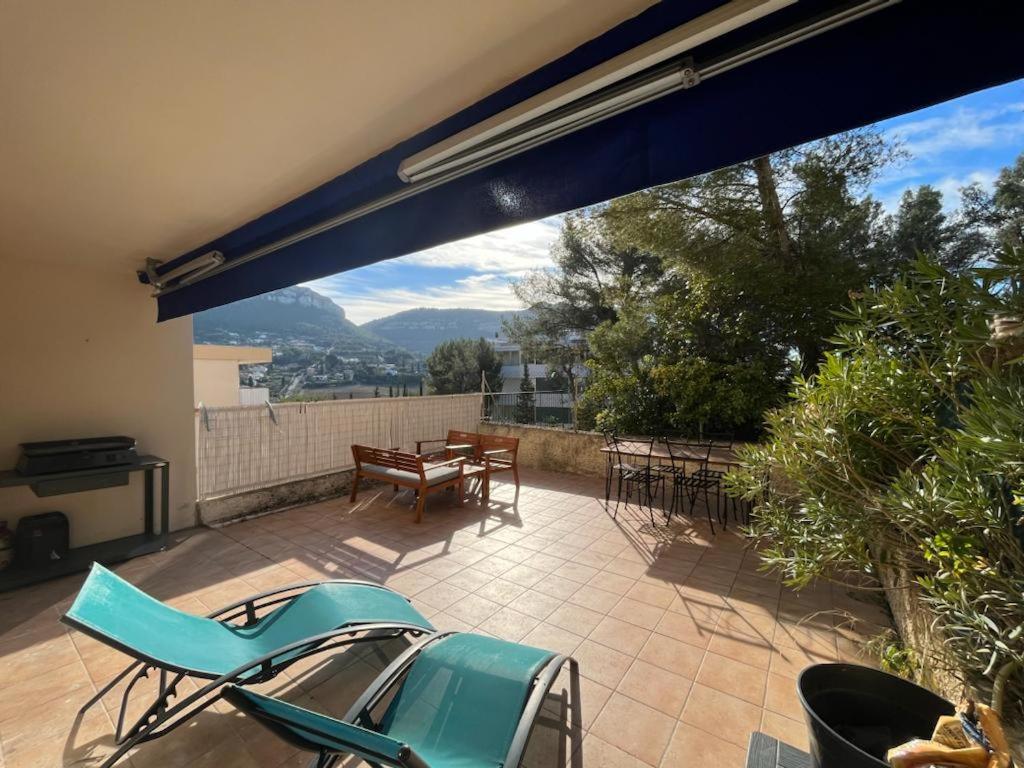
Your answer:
<point x="147" y="492"/>
<point x="165" y="493"/>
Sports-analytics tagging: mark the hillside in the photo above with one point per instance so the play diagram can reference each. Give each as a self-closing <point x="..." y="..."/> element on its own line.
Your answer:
<point x="420" y="330"/>
<point x="290" y="316"/>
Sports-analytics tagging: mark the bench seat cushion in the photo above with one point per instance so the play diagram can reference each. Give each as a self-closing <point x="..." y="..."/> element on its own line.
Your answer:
<point x="434" y="475"/>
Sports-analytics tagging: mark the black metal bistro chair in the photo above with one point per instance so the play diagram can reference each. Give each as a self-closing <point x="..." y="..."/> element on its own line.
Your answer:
<point x="690" y="484"/>
<point x="713" y="477"/>
<point x="631" y="459"/>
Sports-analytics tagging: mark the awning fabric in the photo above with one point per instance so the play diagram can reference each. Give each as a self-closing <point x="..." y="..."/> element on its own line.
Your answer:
<point x="902" y="58"/>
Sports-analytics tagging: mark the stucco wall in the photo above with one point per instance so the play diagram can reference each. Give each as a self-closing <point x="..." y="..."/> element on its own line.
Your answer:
<point x="84" y="356"/>
<point x="555" y="449"/>
<point x="216" y="382"/>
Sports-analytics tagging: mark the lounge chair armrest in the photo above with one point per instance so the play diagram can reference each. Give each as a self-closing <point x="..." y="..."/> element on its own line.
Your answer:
<point x="249" y="604"/>
<point x="425" y="442"/>
<point x="497" y="450"/>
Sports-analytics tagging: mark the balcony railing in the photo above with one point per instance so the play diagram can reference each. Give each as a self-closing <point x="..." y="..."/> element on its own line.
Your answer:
<point x="545" y="408"/>
<point x="243" y="448"/>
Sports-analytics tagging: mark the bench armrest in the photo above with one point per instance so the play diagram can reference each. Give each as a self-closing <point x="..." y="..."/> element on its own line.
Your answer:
<point x="449" y="461"/>
<point x="424" y="442"/>
<point x="497" y="450"/>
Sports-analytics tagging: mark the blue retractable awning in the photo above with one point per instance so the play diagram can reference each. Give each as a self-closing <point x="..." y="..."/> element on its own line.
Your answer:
<point x="903" y="57"/>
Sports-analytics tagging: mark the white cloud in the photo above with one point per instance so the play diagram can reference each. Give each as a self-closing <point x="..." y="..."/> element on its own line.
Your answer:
<point x="964" y="129"/>
<point x="486" y="291"/>
<point x="487" y="262"/>
<point x="512" y="251"/>
<point x="950" y="186"/>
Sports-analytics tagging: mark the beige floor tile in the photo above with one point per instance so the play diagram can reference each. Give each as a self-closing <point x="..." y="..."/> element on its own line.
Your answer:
<point x="734" y="678"/>
<point x="636" y="612"/>
<point x="602" y="664"/>
<point x="534" y="603"/>
<point x="612" y="582"/>
<point x="620" y="635"/>
<point x="508" y="624"/>
<point x="720" y="714"/>
<point x="598" y="753"/>
<point x="754" y="651"/>
<point x="781" y="697"/>
<point x="793" y="732"/>
<point x="575" y="618"/>
<point x="470" y="579"/>
<point x="501" y="591"/>
<point x="524" y="575"/>
<point x="691" y="746"/>
<point x="634" y="728"/>
<point x="790" y="662"/>
<point x="673" y="655"/>
<point x="557" y="586"/>
<point x="656" y="687"/>
<point x="440" y="595"/>
<point x="472" y="609"/>
<point x="593" y="598"/>
<point x="552" y="638"/>
<point x="686" y="629"/>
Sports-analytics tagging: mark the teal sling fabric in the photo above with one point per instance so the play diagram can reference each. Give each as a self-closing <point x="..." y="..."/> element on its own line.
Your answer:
<point x="110" y="607"/>
<point x="307" y="726"/>
<point x="462" y="700"/>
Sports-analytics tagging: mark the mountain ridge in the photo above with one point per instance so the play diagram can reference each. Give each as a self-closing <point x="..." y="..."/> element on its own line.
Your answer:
<point x="423" y="328"/>
<point x="300" y="315"/>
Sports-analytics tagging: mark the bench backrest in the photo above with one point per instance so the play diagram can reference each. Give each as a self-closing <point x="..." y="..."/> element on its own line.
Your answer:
<point x="384" y="457"/>
<point x="458" y="437"/>
<point x="500" y="442"/>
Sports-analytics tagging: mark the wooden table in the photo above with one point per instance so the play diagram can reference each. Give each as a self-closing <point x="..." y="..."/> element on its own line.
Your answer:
<point x="767" y="752"/>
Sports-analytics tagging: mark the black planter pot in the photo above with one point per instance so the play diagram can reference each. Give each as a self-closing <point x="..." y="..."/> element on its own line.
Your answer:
<point x="856" y="714"/>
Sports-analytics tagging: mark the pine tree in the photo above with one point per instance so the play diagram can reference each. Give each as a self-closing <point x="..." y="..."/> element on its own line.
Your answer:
<point x="525" y="401"/>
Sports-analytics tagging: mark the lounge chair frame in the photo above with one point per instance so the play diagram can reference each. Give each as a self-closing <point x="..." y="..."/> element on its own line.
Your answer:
<point x="360" y="713"/>
<point x="161" y="717"/>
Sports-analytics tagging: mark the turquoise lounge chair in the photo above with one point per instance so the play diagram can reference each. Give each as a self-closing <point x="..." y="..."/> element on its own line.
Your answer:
<point x="246" y="642"/>
<point x="462" y="701"/>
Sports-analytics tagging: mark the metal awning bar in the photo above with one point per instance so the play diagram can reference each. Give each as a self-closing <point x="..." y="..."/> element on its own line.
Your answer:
<point x="667" y="78"/>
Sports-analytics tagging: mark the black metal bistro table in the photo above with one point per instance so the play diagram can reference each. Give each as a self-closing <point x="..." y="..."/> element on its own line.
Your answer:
<point x="768" y="752"/>
<point x="152" y="538"/>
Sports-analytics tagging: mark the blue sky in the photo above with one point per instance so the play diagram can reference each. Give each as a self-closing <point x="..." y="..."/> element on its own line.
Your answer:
<point x="952" y="144"/>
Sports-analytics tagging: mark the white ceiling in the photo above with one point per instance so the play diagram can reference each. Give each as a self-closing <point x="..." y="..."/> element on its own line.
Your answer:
<point x="134" y="129"/>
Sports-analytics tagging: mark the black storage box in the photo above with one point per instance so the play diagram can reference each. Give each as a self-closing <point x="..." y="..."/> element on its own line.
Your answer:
<point x="41" y="539"/>
<point x="69" y="455"/>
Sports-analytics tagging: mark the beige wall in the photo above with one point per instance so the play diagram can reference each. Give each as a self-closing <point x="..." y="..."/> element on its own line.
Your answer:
<point x="554" y="449"/>
<point x="83" y="355"/>
<point x="216" y="382"/>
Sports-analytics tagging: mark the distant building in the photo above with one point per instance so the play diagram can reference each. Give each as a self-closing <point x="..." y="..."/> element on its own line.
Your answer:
<point x="215" y="375"/>
<point x="511" y="356"/>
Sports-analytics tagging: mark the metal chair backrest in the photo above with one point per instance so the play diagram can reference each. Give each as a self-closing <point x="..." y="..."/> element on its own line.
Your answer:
<point x="633" y="452"/>
<point x="683" y="451"/>
<point x="721" y="439"/>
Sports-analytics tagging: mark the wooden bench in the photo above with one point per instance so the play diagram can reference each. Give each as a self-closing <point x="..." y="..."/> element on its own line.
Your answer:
<point x="457" y="443"/>
<point x="498" y="454"/>
<point x="408" y="470"/>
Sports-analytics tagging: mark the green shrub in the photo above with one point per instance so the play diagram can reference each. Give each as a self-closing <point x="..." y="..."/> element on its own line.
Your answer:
<point x="906" y="448"/>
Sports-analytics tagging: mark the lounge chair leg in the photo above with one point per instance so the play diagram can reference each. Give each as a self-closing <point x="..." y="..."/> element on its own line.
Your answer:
<point x="110" y="686"/>
<point x="462" y="495"/>
<point x="355" y="489"/>
<point x="419" y="507"/>
<point x="515" y="474"/>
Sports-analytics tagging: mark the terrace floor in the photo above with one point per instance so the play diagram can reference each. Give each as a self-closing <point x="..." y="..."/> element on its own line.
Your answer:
<point x="684" y="647"/>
